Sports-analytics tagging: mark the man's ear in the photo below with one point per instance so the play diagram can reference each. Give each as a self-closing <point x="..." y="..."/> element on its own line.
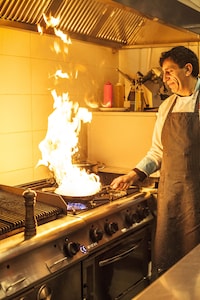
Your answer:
<point x="188" y="69"/>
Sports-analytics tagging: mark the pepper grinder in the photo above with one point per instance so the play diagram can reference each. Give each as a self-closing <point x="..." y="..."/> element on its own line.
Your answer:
<point x="30" y="220"/>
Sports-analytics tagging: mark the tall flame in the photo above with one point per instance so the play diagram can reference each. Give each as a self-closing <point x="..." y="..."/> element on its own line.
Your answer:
<point x="61" y="140"/>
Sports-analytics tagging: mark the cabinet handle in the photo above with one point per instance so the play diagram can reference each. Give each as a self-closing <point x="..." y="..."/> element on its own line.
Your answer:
<point x="6" y="286"/>
<point x="57" y="262"/>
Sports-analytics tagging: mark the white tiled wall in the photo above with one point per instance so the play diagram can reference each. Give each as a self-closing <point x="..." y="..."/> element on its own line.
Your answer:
<point x="28" y="62"/>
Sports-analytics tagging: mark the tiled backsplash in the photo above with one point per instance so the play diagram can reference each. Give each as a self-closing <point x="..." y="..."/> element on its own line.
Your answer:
<point x="27" y="64"/>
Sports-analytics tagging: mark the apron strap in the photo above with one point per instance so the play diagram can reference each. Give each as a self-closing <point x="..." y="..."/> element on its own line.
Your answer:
<point x="197" y="105"/>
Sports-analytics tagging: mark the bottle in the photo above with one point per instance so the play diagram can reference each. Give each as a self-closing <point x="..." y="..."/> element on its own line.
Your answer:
<point x="119" y="95"/>
<point x="131" y="98"/>
<point x="108" y="94"/>
<point x="139" y="99"/>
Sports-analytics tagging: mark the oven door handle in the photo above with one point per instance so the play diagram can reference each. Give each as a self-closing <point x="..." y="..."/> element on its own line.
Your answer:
<point x="120" y="256"/>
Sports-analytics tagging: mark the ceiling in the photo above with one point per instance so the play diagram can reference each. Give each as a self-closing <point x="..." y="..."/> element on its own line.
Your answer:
<point x="113" y="23"/>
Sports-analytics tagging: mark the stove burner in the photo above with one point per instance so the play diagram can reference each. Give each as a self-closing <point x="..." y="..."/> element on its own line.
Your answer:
<point x="76" y="206"/>
<point x="106" y="195"/>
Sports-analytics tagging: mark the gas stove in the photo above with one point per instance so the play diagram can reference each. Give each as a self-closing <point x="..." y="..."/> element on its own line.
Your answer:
<point x="77" y="205"/>
<point x="67" y="233"/>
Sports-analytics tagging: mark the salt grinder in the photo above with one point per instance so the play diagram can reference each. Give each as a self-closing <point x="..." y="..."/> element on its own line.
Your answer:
<point x="30" y="220"/>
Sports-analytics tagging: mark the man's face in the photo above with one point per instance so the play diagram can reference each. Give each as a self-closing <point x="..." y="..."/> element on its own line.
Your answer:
<point x="175" y="77"/>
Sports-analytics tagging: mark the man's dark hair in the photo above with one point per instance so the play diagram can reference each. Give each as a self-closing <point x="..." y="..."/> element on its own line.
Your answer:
<point x="181" y="56"/>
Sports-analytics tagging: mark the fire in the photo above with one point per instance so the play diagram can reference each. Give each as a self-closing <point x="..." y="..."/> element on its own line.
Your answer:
<point x="60" y="144"/>
<point x="61" y="141"/>
<point x="40" y="29"/>
<point x="62" y="36"/>
<point x="60" y="74"/>
<point x="51" y="21"/>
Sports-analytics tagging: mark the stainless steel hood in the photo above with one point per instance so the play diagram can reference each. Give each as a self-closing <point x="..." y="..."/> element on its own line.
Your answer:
<point x="117" y="24"/>
<point x="183" y="14"/>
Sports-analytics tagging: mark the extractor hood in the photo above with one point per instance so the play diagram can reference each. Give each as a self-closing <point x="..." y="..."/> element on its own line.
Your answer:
<point x="183" y="14"/>
<point x="116" y="23"/>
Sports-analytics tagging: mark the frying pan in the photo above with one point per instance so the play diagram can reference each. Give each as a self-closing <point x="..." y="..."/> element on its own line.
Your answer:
<point x="103" y="189"/>
<point x="90" y="167"/>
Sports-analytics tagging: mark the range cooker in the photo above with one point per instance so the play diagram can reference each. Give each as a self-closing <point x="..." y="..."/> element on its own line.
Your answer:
<point x="96" y="248"/>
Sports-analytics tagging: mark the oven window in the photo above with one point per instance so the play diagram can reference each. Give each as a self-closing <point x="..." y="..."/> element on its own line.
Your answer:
<point x="120" y="270"/>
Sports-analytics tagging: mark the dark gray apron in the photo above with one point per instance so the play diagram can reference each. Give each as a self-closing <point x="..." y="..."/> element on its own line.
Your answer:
<point x="178" y="207"/>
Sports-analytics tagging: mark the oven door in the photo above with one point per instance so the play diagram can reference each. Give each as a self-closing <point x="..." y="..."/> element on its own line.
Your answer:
<point x="120" y="270"/>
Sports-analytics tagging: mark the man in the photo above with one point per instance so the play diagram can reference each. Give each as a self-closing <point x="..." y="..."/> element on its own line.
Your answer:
<point x="175" y="151"/>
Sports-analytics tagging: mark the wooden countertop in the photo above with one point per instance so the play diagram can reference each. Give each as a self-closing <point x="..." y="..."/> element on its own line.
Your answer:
<point x="181" y="282"/>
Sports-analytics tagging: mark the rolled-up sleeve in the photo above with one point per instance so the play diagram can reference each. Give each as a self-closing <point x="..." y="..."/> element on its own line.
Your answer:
<point x="147" y="165"/>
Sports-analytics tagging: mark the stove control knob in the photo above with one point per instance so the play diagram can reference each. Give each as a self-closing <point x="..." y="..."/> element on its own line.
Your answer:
<point x="142" y="212"/>
<point x="111" y="227"/>
<point x="132" y="218"/>
<point x="145" y="212"/>
<point x="44" y="293"/>
<point x="96" y="234"/>
<point x="70" y="248"/>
